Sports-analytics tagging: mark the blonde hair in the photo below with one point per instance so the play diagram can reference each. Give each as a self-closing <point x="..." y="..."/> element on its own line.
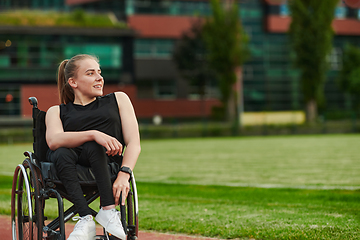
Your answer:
<point x="68" y="69"/>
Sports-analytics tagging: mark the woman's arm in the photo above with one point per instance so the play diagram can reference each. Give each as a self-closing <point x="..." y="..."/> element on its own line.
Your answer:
<point x="130" y="130"/>
<point x="56" y="137"/>
<point x="132" y="141"/>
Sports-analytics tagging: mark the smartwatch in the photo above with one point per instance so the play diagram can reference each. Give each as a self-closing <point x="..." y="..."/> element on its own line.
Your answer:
<point x="126" y="170"/>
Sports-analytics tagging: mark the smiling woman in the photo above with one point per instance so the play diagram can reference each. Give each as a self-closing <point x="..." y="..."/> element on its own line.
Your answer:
<point x="70" y="71"/>
<point x="87" y="83"/>
<point x="91" y="130"/>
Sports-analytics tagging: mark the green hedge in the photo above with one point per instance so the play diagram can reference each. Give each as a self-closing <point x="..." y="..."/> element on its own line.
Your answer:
<point x="149" y="131"/>
<point x="214" y="129"/>
<point x="13" y="135"/>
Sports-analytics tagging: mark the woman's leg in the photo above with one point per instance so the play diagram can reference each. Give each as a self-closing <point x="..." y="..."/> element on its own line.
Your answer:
<point x="65" y="160"/>
<point x="94" y="155"/>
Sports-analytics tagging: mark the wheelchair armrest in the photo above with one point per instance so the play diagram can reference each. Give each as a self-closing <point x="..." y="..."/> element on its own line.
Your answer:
<point x="29" y="155"/>
<point x="32" y="157"/>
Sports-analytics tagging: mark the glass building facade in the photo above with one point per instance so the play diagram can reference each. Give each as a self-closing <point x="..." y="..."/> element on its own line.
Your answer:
<point x="34" y="58"/>
<point x="270" y="81"/>
<point x="31" y="58"/>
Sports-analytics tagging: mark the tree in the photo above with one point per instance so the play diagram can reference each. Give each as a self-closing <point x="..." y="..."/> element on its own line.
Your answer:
<point x="349" y="77"/>
<point x="226" y="46"/>
<point x="311" y="37"/>
<point x="190" y="57"/>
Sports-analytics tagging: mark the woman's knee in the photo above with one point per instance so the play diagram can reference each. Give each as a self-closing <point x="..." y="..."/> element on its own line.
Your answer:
<point x="93" y="148"/>
<point x="93" y="154"/>
<point x="63" y="155"/>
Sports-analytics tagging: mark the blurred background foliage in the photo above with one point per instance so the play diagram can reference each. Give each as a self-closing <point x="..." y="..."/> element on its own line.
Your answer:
<point x="349" y="76"/>
<point x="76" y="18"/>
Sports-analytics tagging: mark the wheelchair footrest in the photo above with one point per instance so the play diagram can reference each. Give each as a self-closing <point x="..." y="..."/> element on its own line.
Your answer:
<point x="106" y="237"/>
<point x="101" y="237"/>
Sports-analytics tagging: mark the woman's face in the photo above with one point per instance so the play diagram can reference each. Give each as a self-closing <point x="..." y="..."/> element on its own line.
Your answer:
<point x="88" y="81"/>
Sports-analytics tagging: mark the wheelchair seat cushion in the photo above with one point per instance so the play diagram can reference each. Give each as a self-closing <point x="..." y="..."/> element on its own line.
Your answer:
<point x="85" y="174"/>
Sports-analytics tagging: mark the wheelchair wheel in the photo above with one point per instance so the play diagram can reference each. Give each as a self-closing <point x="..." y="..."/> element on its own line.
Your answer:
<point x="132" y="211"/>
<point x="26" y="203"/>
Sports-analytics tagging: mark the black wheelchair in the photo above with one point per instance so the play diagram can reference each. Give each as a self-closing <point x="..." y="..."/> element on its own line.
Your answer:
<point x="35" y="181"/>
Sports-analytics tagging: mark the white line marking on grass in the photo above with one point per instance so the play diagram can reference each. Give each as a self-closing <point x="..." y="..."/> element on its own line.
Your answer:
<point x="315" y="187"/>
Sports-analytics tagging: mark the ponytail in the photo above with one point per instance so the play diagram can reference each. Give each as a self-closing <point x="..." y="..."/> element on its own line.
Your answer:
<point x="66" y="93"/>
<point x="67" y="69"/>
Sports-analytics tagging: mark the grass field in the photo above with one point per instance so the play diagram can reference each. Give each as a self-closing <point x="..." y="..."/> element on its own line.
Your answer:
<point x="325" y="160"/>
<point x="285" y="187"/>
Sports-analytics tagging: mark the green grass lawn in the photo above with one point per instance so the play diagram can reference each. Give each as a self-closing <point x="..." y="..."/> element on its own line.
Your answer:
<point x="224" y="187"/>
<point x="261" y="213"/>
<point x="325" y="160"/>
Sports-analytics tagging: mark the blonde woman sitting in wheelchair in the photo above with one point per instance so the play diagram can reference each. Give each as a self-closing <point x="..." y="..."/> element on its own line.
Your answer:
<point x="91" y="129"/>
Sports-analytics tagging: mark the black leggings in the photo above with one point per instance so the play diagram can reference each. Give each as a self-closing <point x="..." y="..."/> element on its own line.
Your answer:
<point x="90" y="154"/>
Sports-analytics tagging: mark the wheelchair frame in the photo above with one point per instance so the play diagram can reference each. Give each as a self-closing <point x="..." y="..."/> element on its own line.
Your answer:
<point x="32" y="186"/>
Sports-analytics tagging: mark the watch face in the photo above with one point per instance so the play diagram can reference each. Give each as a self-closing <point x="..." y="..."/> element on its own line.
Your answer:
<point x="126" y="169"/>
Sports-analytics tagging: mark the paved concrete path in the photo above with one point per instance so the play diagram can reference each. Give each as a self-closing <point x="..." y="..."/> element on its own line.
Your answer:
<point x="5" y="232"/>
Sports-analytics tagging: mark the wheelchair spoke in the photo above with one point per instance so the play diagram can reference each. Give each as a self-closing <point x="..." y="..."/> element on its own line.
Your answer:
<point x="26" y="230"/>
<point x="29" y="219"/>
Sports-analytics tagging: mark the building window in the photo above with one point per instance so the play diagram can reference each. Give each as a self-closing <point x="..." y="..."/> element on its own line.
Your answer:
<point x="211" y="90"/>
<point x="248" y="72"/>
<point x="284" y="9"/>
<point x="340" y="12"/>
<point x="109" y="55"/>
<point x="154" y="47"/>
<point x="144" y="89"/>
<point x="165" y="89"/>
<point x="9" y="101"/>
<point x="151" y="6"/>
<point x="335" y="59"/>
<point x="247" y="13"/>
<point x="129" y="7"/>
<point x="156" y="89"/>
<point x="168" y="7"/>
<point x="190" y="8"/>
<point x="49" y="54"/>
<point x="5" y="60"/>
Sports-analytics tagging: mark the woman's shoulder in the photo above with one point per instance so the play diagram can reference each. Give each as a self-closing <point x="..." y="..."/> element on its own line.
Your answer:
<point x="54" y="108"/>
<point x="121" y="95"/>
<point x="53" y="111"/>
<point x="123" y="100"/>
<point x="108" y="96"/>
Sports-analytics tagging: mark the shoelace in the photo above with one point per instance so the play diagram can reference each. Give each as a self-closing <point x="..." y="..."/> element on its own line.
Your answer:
<point x="116" y="216"/>
<point x="81" y="221"/>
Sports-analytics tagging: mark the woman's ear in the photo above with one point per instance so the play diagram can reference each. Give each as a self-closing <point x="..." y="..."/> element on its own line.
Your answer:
<point x="72" y="83"/>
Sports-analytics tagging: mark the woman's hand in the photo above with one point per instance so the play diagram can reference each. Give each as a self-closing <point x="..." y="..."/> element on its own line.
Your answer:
<point x="112" y="145"/>
<point x="121" y="185"/>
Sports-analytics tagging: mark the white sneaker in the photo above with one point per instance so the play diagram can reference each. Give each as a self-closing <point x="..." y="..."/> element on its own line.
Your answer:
<point x="110" y="220"/>
<point x="84" y="229"/>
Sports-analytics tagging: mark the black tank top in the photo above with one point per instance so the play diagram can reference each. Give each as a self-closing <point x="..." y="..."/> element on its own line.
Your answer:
<point x="101" y="114"/>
